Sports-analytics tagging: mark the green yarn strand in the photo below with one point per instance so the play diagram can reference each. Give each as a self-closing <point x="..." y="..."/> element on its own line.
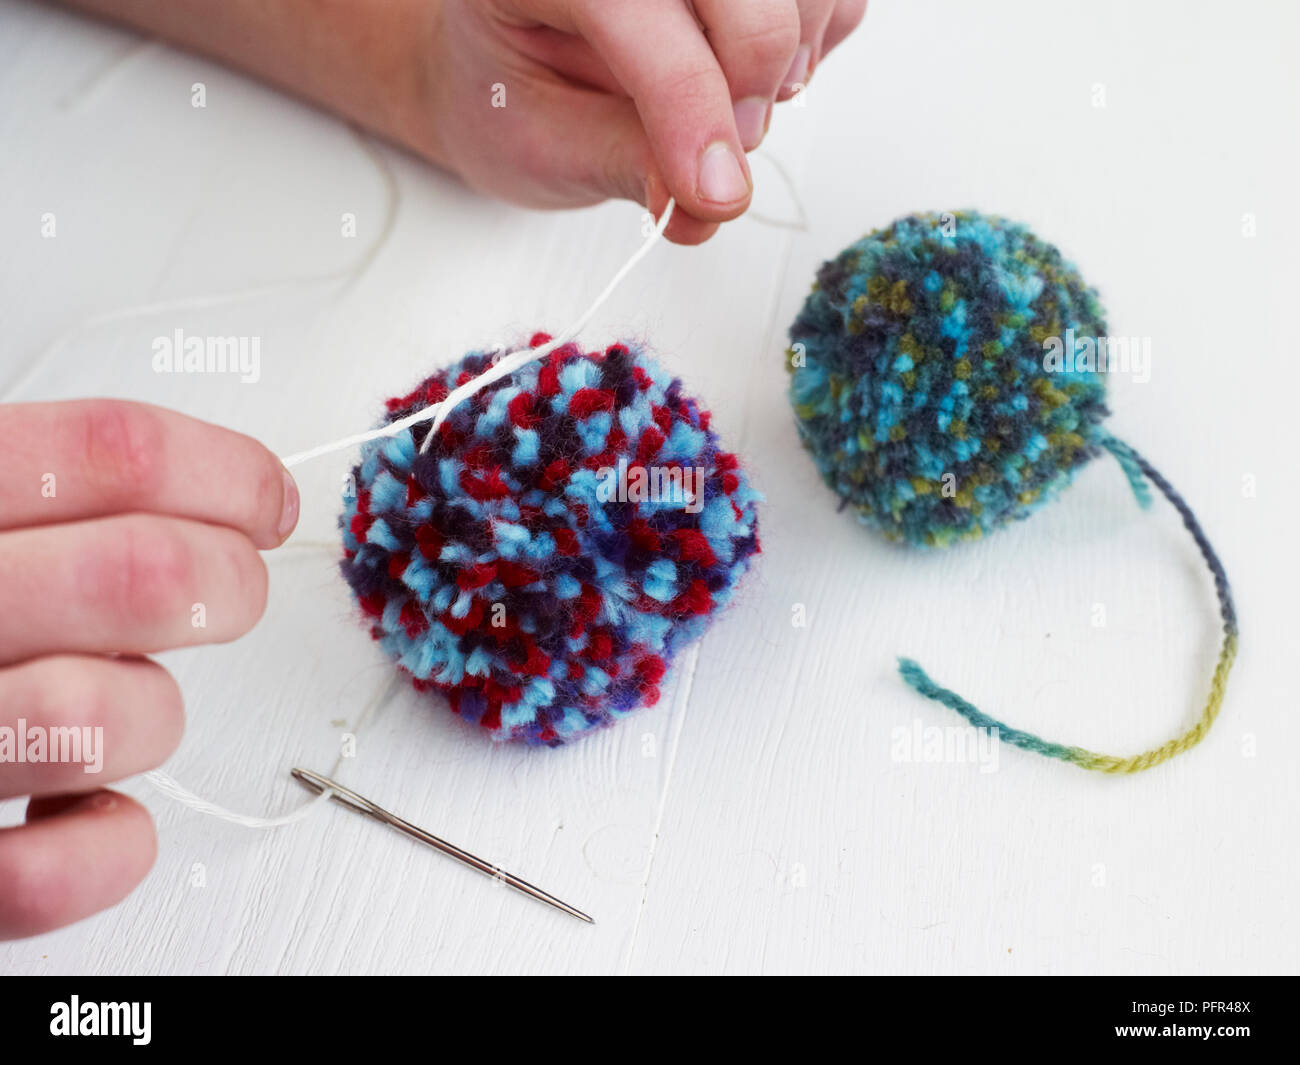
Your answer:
<point x="1139" y="473"/>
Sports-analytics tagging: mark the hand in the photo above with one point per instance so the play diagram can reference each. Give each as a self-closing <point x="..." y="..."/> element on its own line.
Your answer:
<point x="548" y="103"/>
<point x="561" y="103"/>
<point x="121" y="527"/>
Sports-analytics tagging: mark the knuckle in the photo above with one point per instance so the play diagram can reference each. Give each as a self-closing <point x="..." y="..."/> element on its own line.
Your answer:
<point x="249" y="583"/>
<point x="771" y="44"/>
<point x="153" y="569"/>
<point x="686" y="85"/>
<point x="55" y="690"/>
<point x="123" y="446"/>
<point x="74" y="692"/>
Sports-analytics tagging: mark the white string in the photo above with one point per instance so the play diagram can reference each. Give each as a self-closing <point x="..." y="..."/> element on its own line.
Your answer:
<point x="347" y="277"/>
<point x="185" y="797"/>
<point x="437" y="412"/>
<point x="181" y="794"/>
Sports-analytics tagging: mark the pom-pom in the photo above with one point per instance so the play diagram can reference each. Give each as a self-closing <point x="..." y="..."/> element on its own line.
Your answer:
<point x="947" y="375"/>
<point x="930" y="377"/>
<point x="568" y="528"/>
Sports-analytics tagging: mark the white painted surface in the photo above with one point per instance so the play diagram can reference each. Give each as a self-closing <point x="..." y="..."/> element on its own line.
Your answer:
<point x="756" y="820"/>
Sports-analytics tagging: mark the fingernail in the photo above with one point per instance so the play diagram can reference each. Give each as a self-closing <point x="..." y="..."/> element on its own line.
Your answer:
<point x="721" y="178"/>
<point x="105" y="800"/>
<point x="751" y="120"/>
<point x="798" y="72"/>
<point x="289" y="512"/>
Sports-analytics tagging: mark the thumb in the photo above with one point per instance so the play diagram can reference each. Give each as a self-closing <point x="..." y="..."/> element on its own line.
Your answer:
<point x="610" y="157"/>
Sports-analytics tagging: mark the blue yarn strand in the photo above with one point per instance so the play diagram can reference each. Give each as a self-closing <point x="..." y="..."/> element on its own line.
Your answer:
<point x="1131" y="465"/>
<point x="918" y="679"/>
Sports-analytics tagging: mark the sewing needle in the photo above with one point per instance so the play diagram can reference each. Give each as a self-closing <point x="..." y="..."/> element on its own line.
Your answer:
<point x="351" y="799"/>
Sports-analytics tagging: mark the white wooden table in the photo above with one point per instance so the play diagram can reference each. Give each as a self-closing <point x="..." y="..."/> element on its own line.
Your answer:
<point x="758" y="819"/>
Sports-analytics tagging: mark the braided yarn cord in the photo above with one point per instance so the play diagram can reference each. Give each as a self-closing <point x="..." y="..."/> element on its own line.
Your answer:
<point x="1137" y="469"/>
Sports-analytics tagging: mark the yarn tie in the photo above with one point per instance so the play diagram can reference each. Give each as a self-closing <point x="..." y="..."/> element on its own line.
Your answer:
<point x="1139" y="471"/>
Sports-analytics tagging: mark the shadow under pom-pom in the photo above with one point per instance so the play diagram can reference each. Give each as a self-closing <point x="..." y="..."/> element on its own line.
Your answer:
<point x="567" y="529"/>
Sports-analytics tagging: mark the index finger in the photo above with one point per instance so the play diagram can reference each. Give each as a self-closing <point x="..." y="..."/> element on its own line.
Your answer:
<point x="82" y="459"/>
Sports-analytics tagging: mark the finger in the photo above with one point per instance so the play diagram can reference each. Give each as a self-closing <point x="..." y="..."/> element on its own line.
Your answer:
<point x="754" y="42"/>
<point x="591" y="147"/>
<point x="659" y="54"/>
<point x="844" y="20"/>
<point x="135" y="583"/>
<point x="72" y="860"/>
<point x="89" y="458"/>
<point x="814" y="15"/>
<point x="605" y="136"/>
<point x="79" y="722"/>
<point x="567" y="54"/>
<point x="606" y="147"/>
<point x="682" y="228"/>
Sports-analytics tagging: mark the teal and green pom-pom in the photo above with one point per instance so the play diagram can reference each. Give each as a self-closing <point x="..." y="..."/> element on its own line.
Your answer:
<point x="948" y="376"/>
<point x="934" y="377"/>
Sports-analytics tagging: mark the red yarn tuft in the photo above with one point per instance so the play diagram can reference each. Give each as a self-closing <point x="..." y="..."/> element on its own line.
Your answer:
<point x="588" y="401"/>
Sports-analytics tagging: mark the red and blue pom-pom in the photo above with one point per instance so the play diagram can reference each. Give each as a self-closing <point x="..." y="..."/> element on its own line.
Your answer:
<point x="566" y="531"/>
